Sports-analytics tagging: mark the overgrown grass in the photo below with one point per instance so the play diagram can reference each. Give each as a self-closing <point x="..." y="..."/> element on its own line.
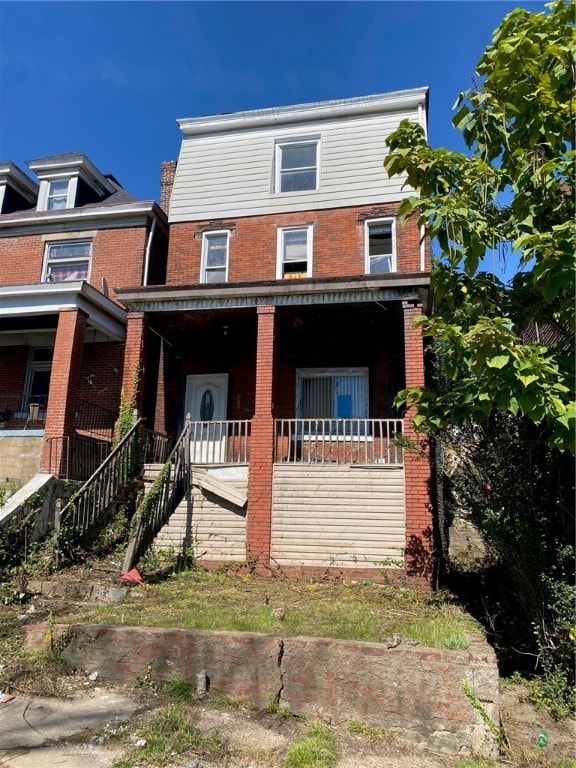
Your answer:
<point x="223" y="601"/>
<point x="315" y="750"/>
<point x="170" y="732"/>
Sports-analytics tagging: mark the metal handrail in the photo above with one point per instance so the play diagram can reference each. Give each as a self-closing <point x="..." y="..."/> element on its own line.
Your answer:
<point x="338" y="441"/>
<point x="161" y="500"/>
<point x="90" y="504"/>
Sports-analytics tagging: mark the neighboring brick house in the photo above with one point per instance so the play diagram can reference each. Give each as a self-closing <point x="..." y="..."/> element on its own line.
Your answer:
<point x="285" y="330"/>
<point x="67" y="241"/>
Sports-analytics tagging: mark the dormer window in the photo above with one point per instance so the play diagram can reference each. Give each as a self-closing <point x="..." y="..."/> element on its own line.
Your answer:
<point x="57" y="196"/>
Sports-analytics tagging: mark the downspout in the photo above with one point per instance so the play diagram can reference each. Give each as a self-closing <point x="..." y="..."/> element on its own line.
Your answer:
<point x="147" y="254"/>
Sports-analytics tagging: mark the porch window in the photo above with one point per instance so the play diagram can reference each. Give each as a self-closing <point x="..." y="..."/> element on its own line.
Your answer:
<point x="335" y="393"/>
<point x="38" y="378"/>
<point x="67" y="261"/>
<point x="294" y="252"/>
<point x="380" y="240"/>
<point x="215" y="257"/>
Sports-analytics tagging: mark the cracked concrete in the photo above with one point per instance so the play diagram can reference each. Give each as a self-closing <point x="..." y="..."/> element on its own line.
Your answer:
<point x="414" y="690"/>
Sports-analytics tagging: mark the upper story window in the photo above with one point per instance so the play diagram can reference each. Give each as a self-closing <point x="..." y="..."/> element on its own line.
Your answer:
<point x="294" y="252"/>
<point x="296" y="166"/>
<point x="67" y="261"/>
<point x="215" y="257"/>
<point x="380" y="239"/>
<point x="57" y="194"/>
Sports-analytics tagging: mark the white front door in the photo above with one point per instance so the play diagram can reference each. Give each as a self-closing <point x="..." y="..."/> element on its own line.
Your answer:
<point x="206" y="402"/>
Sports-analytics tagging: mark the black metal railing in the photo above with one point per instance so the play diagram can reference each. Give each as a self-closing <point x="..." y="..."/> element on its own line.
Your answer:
<point x="94" y="419"/>
<point x="156" y="447"/>
<point x="91" y="504"/>
<point x="161" y="500"/>
<point x="22" y="411"/>
<point x="75" y="458"/>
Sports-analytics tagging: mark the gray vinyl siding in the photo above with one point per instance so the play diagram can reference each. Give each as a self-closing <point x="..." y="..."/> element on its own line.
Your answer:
<point x="230" y="174"/>
<point x="217" y="527"/>
<point x="337" y="516"/>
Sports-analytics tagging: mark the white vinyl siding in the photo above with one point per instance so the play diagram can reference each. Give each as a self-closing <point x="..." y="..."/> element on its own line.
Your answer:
<point x="225" y="175"/>
<point x="380" y="245"/>
<point x="338" y="516"/>
<point x="217" y="528"/>
<point x="294" y="252"/>
<point x="215" y="257"/>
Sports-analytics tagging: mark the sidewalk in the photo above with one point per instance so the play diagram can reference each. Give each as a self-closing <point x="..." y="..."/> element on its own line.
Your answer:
<point x="34" y="730"/>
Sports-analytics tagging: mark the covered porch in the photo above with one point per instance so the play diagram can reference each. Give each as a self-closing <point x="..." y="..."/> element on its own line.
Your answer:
<point x="290" y="391"/>
<point x="61" y="354"/>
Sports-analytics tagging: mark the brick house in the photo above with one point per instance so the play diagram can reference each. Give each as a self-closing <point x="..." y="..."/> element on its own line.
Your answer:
<point x="285" y="329"/>
<point x="67" y="241"/>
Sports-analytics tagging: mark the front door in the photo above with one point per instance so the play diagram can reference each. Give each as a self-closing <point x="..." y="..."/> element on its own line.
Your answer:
<point x="206" y="402"/>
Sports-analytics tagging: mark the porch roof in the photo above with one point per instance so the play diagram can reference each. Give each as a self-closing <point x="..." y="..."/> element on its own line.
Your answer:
<point x="37" y="299"/>
<point x="391" y="287"/>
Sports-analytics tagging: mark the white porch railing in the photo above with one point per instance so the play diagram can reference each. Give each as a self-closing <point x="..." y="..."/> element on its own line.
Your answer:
<point x="220" y="442"/>
<point x="338" y="441"/>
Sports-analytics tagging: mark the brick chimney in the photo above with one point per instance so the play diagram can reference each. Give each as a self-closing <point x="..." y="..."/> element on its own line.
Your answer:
<point x="167" y="174"/>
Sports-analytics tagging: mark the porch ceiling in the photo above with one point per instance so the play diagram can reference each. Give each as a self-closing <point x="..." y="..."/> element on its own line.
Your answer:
<point x="395" y="287"/>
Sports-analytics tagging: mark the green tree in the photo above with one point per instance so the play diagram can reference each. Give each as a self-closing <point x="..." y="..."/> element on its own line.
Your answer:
<point x="512" y="194"/>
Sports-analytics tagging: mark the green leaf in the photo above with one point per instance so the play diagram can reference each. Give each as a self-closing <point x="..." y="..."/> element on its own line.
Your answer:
<point x="499" y="361"/>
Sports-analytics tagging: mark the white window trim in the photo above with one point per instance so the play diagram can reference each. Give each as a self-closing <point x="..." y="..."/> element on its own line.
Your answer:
<point x="280" y="248"/>
<point x="48" y="262"/>
<point x="276" y="177"/>
<point x="367" y="224"/>
<point x="308" y="373"/>
<point x="44" y="191"/>
<point x="205" y="237"/>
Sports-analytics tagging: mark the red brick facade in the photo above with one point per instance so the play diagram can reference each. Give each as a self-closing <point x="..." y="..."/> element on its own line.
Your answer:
<point x="419" y="530"/>
<point x="65" y="379"/>
<point x="339" y="244"/>
<point x="261" y="444"/>
<point x="117" y="257"/>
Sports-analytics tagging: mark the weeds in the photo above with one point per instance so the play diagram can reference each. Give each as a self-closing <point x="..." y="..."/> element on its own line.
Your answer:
<point x="371" y="733"/>
<point x="170" y="732"/>
<point x="221" y="601"/>
<point x="315" y="750"/>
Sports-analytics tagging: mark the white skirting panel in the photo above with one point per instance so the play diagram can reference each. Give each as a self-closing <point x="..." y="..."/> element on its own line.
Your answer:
<point x="338" y="516"/>
<point x="214" y="528"/>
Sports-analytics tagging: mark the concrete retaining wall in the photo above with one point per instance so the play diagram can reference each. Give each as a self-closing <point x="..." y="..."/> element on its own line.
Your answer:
<point x="414" y="690"/>
<point x="20" y="456"/>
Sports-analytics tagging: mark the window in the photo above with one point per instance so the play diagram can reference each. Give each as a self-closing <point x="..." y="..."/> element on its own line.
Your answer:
<point x="67" y="261"/>
<point x="57" y="196"/>
<point x="380" y="238"/>
<point x="215" y="257"/>
<point x="294" y="252"/>
<point x="38" y="379"/>
<point x="335" y="393"/>
<point x="296" y="166"/>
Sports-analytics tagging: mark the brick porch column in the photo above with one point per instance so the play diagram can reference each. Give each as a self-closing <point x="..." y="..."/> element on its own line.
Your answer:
<point x="419" y="521"/>
<point x="135" y="359"/>
<point x="64" y="380"/>
<point x="259" y="518"/>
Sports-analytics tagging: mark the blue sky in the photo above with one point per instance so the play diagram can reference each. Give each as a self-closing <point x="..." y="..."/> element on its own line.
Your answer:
<point x="110" y="78"/>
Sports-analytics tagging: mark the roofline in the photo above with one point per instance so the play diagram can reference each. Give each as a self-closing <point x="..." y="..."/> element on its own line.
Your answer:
<point x="160" y="297"/>
<point x="45" y="167"/>
<point x="47" y="298"/>
<point x="122" y="210"/>
<point x="301" y="113"/>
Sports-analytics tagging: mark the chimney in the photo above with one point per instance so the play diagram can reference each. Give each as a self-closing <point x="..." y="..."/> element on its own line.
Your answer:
<point x="167" y="174"/>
